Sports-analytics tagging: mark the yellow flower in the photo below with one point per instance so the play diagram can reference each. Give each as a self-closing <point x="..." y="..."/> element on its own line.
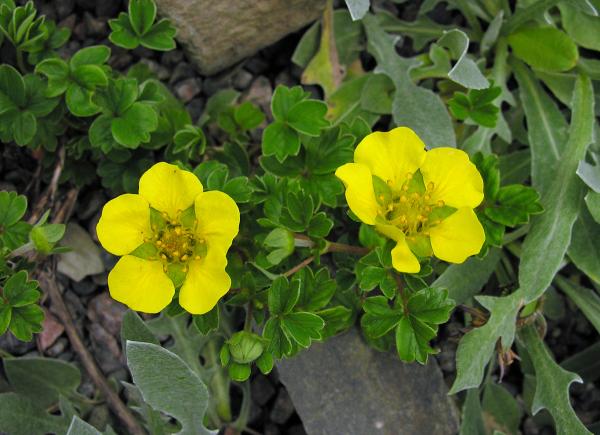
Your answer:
<point x="423" y="200"/>
<point x="170" y="235"/>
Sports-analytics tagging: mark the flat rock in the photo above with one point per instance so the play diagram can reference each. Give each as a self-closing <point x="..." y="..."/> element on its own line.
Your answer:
<point x="217" y="34"/>
<point x="345" y="387"/>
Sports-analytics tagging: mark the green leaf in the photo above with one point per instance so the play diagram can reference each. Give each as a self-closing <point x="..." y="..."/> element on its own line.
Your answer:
<point x="94" y="55"/>
<point x="248" y="116"/>
<point x="284" y="99"/>
<point x="587" y="300"/>
<point x="80" y="427"/>
<point x="324" y="68"/>
<point x="413" y="106"/>
<point x="19" y="292"/>
<point x="412" y="340"/>
<point x="584" y="249"/>
<point x="465" y="71"/>
<point x="308" y="117"/>
<point x="160" y="36"/>
<point x="476" y="105"/>
<point x="280" y="140"/>
<point x="320" y="225"/>
<point x="337" y="319"/>
<point x="546" y="128"/>
<point x="316" y="289"/>
<point x="550" y="232"/>
<point x="141" y="15"/>
<point x="123" y="34"/>
<point x="283" y="296"/>
<point x="592" y="200"/>
<point x="515" y="204"/>
<point x="12" y="86"/>
<point x="544" y="48"/>
<point x="20" y="416"/>
<point x="377" y="94"/>
<point x="5" y="316"/>
<point x="135" y="125"/>
<point x="42" y="380"/>
<point x="207" y="322"/>
<point x="582" y="27"/>
<point x="12" y="209"/>
<point x="502" y="407"/>
<point x="24" y="126"/>
<point x="379" y="317"/>
<point x="589" y="174"/>
<point x="79" y="101"/>
<point x="465" y="280"/>
<point x="279" y="343"/>
<point x="478" y="345"/>
<point x="302" y="327"/>
<point x="133" y="328"/>
<point x="472" y="415"/>
<point x="552" y="386"/>
<point x="265" y="363"/>
<point x="57" y="71"/>
<point x="358" y="8"/>
<point x="169" y="385"/>
<point x="25" y="321"/>
<point x="431" y="305"/>
<point x="90" y="76"/>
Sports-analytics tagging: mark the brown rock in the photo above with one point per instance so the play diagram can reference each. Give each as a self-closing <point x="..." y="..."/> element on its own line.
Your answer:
<point x="217" y="34"/>
<point x="107" y="312"/>
<point x="52" y="329"/>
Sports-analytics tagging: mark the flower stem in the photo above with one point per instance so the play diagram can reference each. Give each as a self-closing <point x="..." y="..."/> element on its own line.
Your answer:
<point x="219" y="384"/>
<point x="20" y="61"/>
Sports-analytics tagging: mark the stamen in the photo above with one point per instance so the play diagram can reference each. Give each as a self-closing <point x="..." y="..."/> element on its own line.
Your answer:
<point x="430" y="185"/>
<point x="441" y="203"/>
<point x="403" y="198"/>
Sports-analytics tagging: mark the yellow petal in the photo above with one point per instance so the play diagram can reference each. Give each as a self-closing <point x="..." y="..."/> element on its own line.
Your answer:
<point x="359" y="191"/>
<point x="458" y="236"/>
<point x="140" y="284"/>
<point x="403" y="259"/>
<point x="456" y="180"/>
<point x="218" y="219"/>
<point x="391" y="155"/>
<point x="169" y="189"/>
<point x="124" y="223"/>
<point x="205" y="283"/>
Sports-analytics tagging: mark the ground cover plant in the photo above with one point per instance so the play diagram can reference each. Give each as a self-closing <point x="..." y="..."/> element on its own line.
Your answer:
<point x="424" y="170"/>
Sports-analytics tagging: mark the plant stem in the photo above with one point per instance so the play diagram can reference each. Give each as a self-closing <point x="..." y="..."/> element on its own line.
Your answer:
<point x="248" y="320"/>
<point x="219" y="384"/>
<point x="299" y="266"/>
<point x="242" y="420"/>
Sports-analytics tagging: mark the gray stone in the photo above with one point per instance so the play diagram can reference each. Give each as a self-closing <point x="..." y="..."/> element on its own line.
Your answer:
<point x="218" y="34"/>
<point x="344" y="386"/>
<point x="283" y="408"/>
<point x="262" y="390"/>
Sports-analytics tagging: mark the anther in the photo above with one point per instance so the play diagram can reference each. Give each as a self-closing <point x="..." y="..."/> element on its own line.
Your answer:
<point x="178" y="231"/>
<point x="163" y="256"/>
<point x="427" y="197"/>
<point x="159" y="243"/>
<point x="403" y="198"/>
<point x="184" y="257"/>
<point x="430" y="185"/>
<point x="197" y="257"/>
<point x="389" y="182"/>
<point x="185" y="269"/>
<point x="440" y="203"/>
<point x="176" y="254"/>
<point x="405" y="187"/>
<point x="381" y="197"/>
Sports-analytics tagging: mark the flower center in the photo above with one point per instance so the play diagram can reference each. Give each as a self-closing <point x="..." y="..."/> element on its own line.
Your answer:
<point x="175" y="243"/>
<point x="410" y="207"/>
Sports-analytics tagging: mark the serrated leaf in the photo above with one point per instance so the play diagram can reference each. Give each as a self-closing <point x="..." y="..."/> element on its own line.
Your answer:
<point x="431" y="305"/>
<point x="160" y="37"/>
<point x="283" y="296"/>
<point x="308" y="117"/>
<point x="280" y="140"/>
<point x="552" y="385"/>
<point x="515" y="203"/>
<point x="379" y="317"/>
<point x="412" y="339"/>
<point x="550" y="232"/>
<point x="477" y="346"/>
<point x="302" y="327"/>
<point x="169" y="385"/>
